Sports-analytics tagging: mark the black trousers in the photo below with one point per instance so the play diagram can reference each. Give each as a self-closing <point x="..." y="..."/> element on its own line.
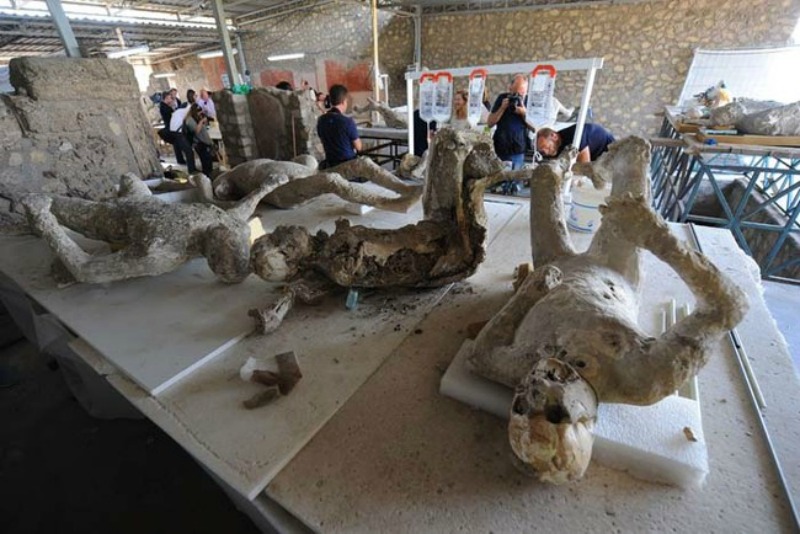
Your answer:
<point x="206" y="157"/>
<point x="182" y="148"/>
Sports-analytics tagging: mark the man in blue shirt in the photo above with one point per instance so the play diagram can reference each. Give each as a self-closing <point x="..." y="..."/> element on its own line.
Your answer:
<point x="508" y="113"/>
<point x="594" y="141"/>
<point x="511" y="134"/>
<point x="337" y="131"/>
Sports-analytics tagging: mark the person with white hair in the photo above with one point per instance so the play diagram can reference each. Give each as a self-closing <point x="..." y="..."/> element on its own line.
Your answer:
<point x="205" y="102"/>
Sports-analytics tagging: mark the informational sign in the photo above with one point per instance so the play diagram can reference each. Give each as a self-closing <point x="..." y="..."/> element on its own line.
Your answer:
<point x="541" y="87"/>
<point x="226" y="81"/>
<point x="477" y="83"/>
<point x="443" y="102"/>
<point x="427" y="96"/>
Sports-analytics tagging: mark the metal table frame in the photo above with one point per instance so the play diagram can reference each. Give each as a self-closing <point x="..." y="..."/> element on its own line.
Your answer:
<point x="680" y="165"/>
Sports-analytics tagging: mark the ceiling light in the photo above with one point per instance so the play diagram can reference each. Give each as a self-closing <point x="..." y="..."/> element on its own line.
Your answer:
<point x="125" y="52"/>
<point x="213" y="53"/>
<point x="164" y="75"/>
<point x="281" y="57"/>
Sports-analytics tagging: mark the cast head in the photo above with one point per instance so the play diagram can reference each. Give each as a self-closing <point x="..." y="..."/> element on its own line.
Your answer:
<point x="227" y="252"/>
<point x="167" y="98"/>
<point x="552" y="418"/>
<point x="191" y="96"/>
<point x="281" y="255"/>
<point x="203" y="93"/>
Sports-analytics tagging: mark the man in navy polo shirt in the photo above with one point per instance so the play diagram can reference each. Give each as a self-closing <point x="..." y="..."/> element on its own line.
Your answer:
<point x="510" y="136"/>
<point x="337" y="131"/>
<point x="594" y="141"/>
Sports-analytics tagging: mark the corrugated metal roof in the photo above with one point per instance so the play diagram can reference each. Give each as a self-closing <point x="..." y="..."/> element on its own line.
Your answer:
<point x="182" y="26"/>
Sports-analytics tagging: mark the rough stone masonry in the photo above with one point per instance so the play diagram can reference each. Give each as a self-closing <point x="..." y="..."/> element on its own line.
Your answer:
<point x="73" y="128"/>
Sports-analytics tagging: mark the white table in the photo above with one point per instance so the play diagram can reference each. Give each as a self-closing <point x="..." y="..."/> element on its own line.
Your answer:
<point x="366" y="443"/>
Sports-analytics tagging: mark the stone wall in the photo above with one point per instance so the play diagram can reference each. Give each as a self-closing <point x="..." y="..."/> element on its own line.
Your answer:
<point x="190" y="71"/>
<point x="336" y="38"/>
<point x="233" y="114"/>
<point x="284" y="123"/>
<point x="648" y="47"/>
<point x="72" y="128"/>
<point x="268" y="123"/>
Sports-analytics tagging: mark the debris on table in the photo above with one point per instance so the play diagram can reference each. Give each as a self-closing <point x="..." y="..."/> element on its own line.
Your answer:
<point x="279" y="382"/>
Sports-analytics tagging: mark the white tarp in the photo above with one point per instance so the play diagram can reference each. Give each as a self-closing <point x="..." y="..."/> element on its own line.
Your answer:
<point x="766" y="74"/>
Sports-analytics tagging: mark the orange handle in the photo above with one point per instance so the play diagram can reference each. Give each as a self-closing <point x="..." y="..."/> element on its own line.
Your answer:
<point x="478" y="72"/>
<point x="549" y="68"/>
<point x="426" y="76"/>
<point x="445" y="74"/>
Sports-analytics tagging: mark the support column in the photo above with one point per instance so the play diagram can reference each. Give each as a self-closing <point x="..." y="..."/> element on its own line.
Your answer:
<point x="63" y="28"/>
<point x="376" y="74"/>
<point x="242" y="59"/>
<point x="227" y="51"/>
<point x="418" y="36"/>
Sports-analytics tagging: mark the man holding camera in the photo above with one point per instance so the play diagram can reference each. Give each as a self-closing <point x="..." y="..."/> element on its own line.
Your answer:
<point x="508" y="113"/>
<point x="511" y="134"/>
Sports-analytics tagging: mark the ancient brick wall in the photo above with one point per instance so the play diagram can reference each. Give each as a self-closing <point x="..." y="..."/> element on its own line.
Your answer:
<point x="268" y="123"/>
<point x="73" y="128"/>
<point x="236" y="126"/>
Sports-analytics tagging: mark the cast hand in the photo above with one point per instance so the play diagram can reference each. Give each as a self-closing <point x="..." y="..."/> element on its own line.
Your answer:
<point x="520" y="111"/>
<point x="504" y="104"/>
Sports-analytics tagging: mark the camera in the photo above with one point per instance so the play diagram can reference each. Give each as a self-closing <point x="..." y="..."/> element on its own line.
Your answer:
<point x="514" y="101"/>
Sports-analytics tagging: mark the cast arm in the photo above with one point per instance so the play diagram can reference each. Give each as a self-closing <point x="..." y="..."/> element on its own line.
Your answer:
<point x="678" y="354"/>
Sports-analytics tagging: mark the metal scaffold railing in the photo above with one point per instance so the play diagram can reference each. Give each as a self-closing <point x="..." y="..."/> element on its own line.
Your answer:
<point x="753" y="191"/>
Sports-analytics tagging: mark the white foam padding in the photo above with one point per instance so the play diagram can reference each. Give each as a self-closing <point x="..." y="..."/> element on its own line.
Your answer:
<point x="357" y="209"/>
<point x="647" y="442"/>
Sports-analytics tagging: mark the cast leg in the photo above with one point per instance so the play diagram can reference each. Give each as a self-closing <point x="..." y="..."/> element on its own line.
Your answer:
<point x="131" y="186"/>
<point x="302" y="190"/>
<point x="83" y="266"/>
<point x="626" y="166"/>
<point x="362" y="167"/>
<point x="245" y="208"/>
<point x="549" y="237"/>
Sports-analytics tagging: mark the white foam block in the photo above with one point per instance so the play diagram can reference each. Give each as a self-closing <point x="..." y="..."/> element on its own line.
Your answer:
<point x="646" y="441"/>
<point x="357" y="209"/>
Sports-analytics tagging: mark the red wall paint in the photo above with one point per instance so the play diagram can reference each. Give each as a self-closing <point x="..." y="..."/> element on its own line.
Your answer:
<point x="214" y="68"/>
<point x="271" y="77"/>
<point x="355" y="78"/>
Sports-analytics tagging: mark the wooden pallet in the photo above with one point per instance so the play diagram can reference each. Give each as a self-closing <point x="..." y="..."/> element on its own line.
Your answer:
<point x="756" y="140"/>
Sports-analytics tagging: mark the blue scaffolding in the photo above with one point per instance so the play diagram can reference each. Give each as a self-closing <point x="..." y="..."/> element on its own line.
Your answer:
<point x="764" y="220"/>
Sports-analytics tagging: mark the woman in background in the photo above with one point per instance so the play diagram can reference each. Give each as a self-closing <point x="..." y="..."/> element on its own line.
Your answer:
<point x="196" y="130"/>
<point x="459" y="120"/>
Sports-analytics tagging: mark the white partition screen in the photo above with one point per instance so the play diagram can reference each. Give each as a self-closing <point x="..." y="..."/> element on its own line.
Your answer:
<point x="767" y="74"/>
